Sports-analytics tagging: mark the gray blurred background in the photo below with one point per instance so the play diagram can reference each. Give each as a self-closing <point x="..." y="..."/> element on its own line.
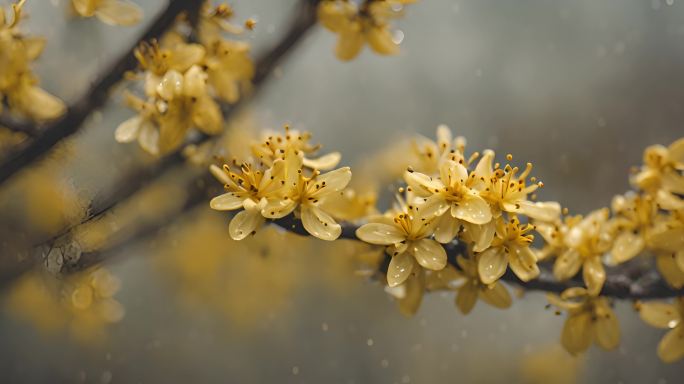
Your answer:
<point x="578" y="87"/>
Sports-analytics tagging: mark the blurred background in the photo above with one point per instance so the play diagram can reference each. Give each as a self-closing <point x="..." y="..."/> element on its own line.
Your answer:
<point x="579" y="88"/>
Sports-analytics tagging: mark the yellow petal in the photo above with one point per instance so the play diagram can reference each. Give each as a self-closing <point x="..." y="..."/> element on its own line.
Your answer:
<point x="496" y="295"/>
<point x="185" y="56"/>
<point x="349" y="44"/>
<point x="679" y="260"/>
<point x="330" y="182"/>
<point x="577" y="333"/>
<point x="41" y="105"/>
<point x="148" y="138"/>
<point x="671" y="347"/>
<point x="128" y="130"/>
<point x="676" y="151"/>
<point x="34" y="46"/>
<point x="226" y="202"/>
<point x="492" y="264"/>
<point x="380" y="40"/>
<point x="466" y="297"/>
<point x="171" y="85"/>
<point x="207" y="116"/>
<point x="325" y="162"/>
<point x="594" y="274"/>
<point x="567" y="264"/>
<point x="472" y="209"/>
<point x="415" y="289"/>
<point x="434" y="206"/>
<point x="446" y="229"/>
<point x="626" y="246"/>
<point x="245" y="223"/>
<point x="429" y="254"/>
<point x="668" y="268"/>
<point x="399" y="269"/>
<point x="380" y="234"/>
<point x="545" y="211"/>
<point x="85" y="8"/>
<point x="523" y="263"/>
<point x="278" y="207"/>
<point x="659" y="314"/>
<point x="607" y="328"/>
<point x="423" y="185"/>
<point x="481" y="235"/>
<point x="194" y="82"/>
<point x="320" y="224"/>
<point x="118" y="12"/>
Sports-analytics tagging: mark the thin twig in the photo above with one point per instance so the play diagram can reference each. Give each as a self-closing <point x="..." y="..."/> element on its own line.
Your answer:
<point x="98" y="94"/>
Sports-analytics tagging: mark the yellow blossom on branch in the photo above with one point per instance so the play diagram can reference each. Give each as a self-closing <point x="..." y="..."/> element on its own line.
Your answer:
<point x="112" y="12"/>
<point x="667" y="316"/>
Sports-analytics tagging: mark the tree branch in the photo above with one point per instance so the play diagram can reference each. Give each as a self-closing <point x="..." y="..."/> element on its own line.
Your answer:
<point x="14" y="125"/>
<point x="76" y="114"/>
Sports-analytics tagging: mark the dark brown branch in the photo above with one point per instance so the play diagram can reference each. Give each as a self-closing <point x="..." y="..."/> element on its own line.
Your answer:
<point x="98" y="94"/>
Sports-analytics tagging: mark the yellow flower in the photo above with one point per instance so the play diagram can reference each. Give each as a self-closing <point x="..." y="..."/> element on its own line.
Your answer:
<point x="178" y="98"/>
<point x="18" y="86"/>
<point x="660" y="169"/>
<point x="634" y="219"/>
<point x="510" y="246"/>
<point x="214" y="21"/>
<point x="506" y="190"/>
<point x="667" y="241"/>
<point x="112" y="12"/>
<point x="360" y="25"/>
<point x="406" y="236"/>
<point x="590" y="319"/>
<point x="230" y="69"/>
<point x="274" y="145"/>
<point x="275" y="188"/>
<point x="666" y="316"/>
<point x="468" y="286"/>
<point x="431" y="154"/>
<point x="587" y="241"/>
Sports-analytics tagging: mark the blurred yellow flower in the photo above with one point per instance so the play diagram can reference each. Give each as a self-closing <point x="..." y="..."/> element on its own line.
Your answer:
<point x="18" y="86"/>
<point x="357" y="25"/>
<point x="590" y="319"/>
<point x="667" y="316"/>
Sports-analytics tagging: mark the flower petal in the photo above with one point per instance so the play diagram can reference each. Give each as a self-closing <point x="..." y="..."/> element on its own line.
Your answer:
<point x="466" y="297"/>
<point x="607" y="328"/>
<point x="381" y="234"/>
<point x="423" y="185"/>
<point x="330" y="182"/>
<point x="148" y="138"/>
<point x="567" y="265"/>
<point x="472" y="209"/>
<point x="492" y="264"/>
<point x="594" y="274"/>
<point x="245" y="223"/>
<point x="171" y="85"/>
<point x="481" y="235"/>
<point x="325" y="162"/>
<point x="659" y="314"/>
<point x="671" y="347"/>
<point x="577" y="332"/>
<point x="206" y="115"/>
<point x="320" y="224"/>
<point x="349" y="44"/>
<point x="380" y="40"/>
<point x="399" y="269"/>
<point x="670" y="271"/>
<point x="446" y="229"/>
<point x="545" y="211"/>
<point x="118" y="12"/>
<point x="278" y="207"/>
<point x="128" y="130"/>
<point x="496" y="295"/>
<point x="626" y="246"/>
<point x="226" y="202"/>
<point x="429" y="254"/>
<point x="523" y="263"/>
<point x="415" y="290"/>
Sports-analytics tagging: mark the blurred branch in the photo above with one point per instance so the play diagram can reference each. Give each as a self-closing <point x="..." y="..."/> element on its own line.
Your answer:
<point x="98" y="94"/>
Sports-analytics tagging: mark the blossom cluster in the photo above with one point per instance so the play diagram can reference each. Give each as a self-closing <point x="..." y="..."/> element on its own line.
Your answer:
<point x="18" y="85"/>
<point x="281" y="179"/>
<point x="359" y="24"/>
<point x="184" y="82"/>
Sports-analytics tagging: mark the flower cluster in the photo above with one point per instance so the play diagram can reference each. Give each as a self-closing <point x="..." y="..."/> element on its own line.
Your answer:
<point x="481" y="204"/>
<point x="18" y="85"/>
<point x="281" y="179"/>
<point x="360" y="24"/>
<point x="112" y="12"/>
<point x="183" y="83"/>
